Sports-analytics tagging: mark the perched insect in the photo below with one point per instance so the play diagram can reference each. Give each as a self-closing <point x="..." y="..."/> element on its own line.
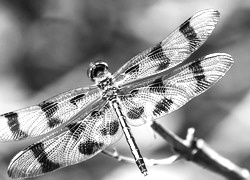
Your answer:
<point x="87" y="120"/>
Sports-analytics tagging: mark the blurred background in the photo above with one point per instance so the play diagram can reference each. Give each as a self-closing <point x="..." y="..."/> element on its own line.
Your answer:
<point x="45" y="49"/>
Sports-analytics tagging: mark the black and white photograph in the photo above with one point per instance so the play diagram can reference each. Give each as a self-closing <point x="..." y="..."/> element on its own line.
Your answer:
<point x="136" y="89"/>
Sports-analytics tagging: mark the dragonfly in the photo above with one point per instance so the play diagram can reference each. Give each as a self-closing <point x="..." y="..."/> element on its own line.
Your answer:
<point x="82" y="122"/>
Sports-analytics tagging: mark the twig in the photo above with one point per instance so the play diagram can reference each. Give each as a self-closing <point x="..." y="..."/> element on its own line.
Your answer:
<point x="198" y="151"/>
<point x="148" y="162"/>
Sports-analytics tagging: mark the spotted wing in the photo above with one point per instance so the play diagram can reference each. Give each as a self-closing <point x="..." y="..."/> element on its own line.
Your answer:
<point x="76" y="142"/>
<point x="165" y="93"/>
<point x="46" y="116"/>
<point x="175" y="48"/>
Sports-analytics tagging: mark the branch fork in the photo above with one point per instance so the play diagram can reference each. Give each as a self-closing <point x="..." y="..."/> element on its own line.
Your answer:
<point x="191" y="149"/>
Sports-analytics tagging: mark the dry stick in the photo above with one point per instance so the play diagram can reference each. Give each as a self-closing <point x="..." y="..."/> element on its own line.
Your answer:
<point x="148" y="162"/>
<point x="192" y="149"/>
<point x="198" y="151"/>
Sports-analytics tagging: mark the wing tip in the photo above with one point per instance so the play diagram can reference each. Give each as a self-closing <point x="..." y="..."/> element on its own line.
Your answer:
<point x="209" y="11"/>
<point x="224" y="56"/>
<point x="208" y="15"/>
<point x="223" y="61"/>
<point x="13" y="169"/>
<point x="12" y="173"/>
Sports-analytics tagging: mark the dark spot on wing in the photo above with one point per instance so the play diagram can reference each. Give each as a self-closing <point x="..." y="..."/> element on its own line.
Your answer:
<point x="14" y="125"/>
<point x="77" y="98"/>
<point x="158" y="54"/>
<point x="134" y="92"/>
<point x="104" y="131"/>
<point x="124" y="98"/>
<point x="13" y="121"/>
<point x="199" y="75"/>
<point x="76" y="129"/>
<point x="110" y="129"/>
<point x="89" y="147"/>
<point x="95" y="113"/>
<point x="49" y="108"/>
<point x="157" y="86"/>
<point x="53" y="122"/>
<point x="162" y="106"/>
<point x="163" y="64"/>
<point x="188" y="31"/>
<point x="155" y="51"/>
<point x="133" y="69"/>
<point x="113" y="127"/>
<point x="135" y="113"/>
<point x="41" y="156"/>
<point x="73" y="126"/>
<point x="129" y="96"/>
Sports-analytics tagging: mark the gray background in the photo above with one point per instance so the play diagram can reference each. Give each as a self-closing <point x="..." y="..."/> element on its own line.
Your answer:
<point x="46" y="46"/>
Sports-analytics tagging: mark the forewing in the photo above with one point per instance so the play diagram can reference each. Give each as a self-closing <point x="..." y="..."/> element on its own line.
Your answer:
<point x="166" y="93"/>
<point x="175" y="48"/>
<point x="46" y="116"/>
<point x="76" y="142"/>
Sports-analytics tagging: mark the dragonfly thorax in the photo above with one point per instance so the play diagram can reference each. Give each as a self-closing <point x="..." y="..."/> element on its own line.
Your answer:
<point x="110" y="93"/>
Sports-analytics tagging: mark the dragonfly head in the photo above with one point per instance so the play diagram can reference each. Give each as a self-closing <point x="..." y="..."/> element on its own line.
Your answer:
<point x="97" y="70"/>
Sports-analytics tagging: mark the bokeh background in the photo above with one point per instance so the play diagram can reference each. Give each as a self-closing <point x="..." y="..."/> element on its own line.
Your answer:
<point x="45" y="49"/>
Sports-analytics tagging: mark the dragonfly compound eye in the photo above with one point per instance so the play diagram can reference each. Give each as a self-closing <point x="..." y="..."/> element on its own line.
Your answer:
<point x="96" y="69"/>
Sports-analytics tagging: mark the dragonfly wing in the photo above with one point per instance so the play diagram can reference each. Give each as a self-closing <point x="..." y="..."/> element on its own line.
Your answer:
<point x="80" y="140"/>
<point x="165" y="93"/>
<point x="174" y="49"/>
<point x="46" y="116"/>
